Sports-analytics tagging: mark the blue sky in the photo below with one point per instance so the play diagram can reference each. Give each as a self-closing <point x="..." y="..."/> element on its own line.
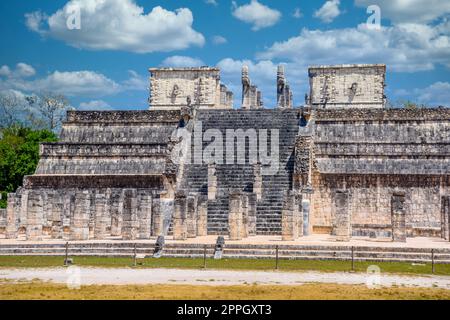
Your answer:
<point x="104" y="64"/>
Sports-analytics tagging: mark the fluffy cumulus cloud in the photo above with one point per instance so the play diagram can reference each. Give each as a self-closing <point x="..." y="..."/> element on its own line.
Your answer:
<point x="329" y="11"/>
<point x="412" y="11"/>
<point x="257" y="14"/>
<point x="182" y="61"/>
<point x="119" y="25"/>
<point x="23" y="78"/>
<point x="94" y="105"/>
<point x="22" y="70"/>
<point x="403" y="47"/>
<point x="437" y="94"/>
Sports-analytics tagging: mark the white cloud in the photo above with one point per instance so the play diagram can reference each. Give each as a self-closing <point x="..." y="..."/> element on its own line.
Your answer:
<point x="135" y="82"/>
<point x="219" y="40"/>
<point x="22" y="70"/>
<point x="413" y="11"/>
<point x="5" y="71"/>
<point x="329" y="11"/>
<point x="182" y="61"/>
<point x="297" y="13"/>
<point x="257" y="14"/>
<point x="94" y="105"/>
<point x="212" y="2"/>
<point x="403" y="47"/>
<point x="119" y="25"/>
<point x="83" y="83"/>
<point x="437" y="94"/>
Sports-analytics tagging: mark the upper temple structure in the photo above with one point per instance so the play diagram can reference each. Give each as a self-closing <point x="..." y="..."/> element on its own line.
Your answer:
<point x="342" y="164"/>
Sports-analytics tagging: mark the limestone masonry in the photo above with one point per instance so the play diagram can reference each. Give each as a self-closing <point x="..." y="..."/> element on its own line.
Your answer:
<point x="346" y="165"/>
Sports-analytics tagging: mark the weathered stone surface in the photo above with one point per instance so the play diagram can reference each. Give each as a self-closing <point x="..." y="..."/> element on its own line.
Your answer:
<point x="289" y="219"/>
<point x="342" y="215"/>
<point x="180" y="228"/>
<point x="348" y="143"/>
<point x="347" y="86"/>
<point x="102" y="217"/>
<point x="130" y="224"/>
<point x="145" y="215"/>
<point x="398" y="211"/>
<point x="235" y="219"/>
<point x="79" y="228"/>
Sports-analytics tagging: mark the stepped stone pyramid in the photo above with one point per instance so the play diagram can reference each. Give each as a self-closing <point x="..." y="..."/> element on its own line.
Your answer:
<point x="342" y="164"/>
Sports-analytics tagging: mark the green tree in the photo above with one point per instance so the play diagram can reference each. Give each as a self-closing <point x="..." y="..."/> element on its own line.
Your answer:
<point x="19" y="156"/>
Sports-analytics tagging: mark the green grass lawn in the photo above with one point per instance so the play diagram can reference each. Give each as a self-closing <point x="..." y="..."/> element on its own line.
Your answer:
<point x="224" y="264"/>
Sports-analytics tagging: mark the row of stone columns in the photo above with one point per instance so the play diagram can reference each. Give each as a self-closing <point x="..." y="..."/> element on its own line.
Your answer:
<point x="190" y="218"/>
<point x="83" y="215"/>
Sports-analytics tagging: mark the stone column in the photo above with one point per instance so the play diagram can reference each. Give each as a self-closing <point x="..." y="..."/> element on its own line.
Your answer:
<point x="68" y="212"/>
<point x="35" y="215"/>
<point x="398" y="213"/>
<point x="212" y="182"/>
<point x="235" y="217"/>
<point x="245" y="220"/>
<point x="57" y="216"/>
<point x="180" y="229"/>
<point x="289" y="224"/>
<point x="101" y="217"/>
<point x="130" y="224"/>
<point x="257" y="182"/>
<point x="192" y="207"/>
<point x="48" y="200"/>
<point x="11" y="219"/>
<point x="157" y="218"/>
<point x="145" y="216"/>
<point x="116" y="209"/>
<point x="202" y="219"/>
<point x="80" y="221"/>
<point x="251" y="214"/>
<point x="23" y="209"/>
<point x="445" y="217"/>
<point x="342" y="223"/>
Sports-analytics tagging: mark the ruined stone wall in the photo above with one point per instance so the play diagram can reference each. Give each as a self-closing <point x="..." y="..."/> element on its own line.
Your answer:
<point x="170" y="88"/>
<point x="347" y="86"/>
<point x="104" y="178"/>
<point x="375" y="153"/>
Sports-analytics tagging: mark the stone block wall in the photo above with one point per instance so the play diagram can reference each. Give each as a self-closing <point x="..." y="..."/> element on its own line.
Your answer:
<point x="347" y="86"/>
<point x="374" y="154"/>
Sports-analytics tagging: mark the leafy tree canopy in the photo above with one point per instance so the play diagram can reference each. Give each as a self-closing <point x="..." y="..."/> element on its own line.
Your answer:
<point x="19" y="156"/>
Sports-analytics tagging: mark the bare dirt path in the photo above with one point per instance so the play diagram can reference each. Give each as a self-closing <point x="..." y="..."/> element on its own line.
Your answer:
<point x="128" y="276"/>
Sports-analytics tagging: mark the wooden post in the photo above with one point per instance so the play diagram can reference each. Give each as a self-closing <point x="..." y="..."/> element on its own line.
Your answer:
<point x="432" y="261"/>
<point x="66" y="262"/>
<point x="276" y="258"/>
<point x="135" y="255"/>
